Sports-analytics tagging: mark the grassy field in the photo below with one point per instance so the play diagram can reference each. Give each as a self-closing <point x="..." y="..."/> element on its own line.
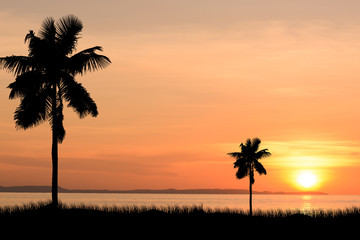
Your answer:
<point x="152" y="221"/>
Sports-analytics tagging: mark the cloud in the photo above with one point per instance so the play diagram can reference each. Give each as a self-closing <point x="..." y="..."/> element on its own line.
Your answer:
<point x="314" y="153"/>
<point x="25" y="161"/>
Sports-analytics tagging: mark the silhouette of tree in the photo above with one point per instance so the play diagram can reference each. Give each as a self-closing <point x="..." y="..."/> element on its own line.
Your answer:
<point x="46" y="77"/>
<point x="248" y="160"/>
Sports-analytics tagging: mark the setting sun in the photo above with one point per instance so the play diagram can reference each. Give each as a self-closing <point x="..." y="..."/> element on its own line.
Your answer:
<point x="306" y="179"/>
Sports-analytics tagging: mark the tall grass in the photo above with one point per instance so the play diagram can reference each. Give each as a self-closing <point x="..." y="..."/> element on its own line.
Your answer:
<point x="179" y="210"/>
<point x="31" y="206"/>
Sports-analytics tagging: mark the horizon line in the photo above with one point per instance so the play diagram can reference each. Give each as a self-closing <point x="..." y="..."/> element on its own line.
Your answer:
<point x="44" y="188"/>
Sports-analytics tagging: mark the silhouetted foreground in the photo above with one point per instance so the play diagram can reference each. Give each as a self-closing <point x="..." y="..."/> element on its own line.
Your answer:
<point x="83" y="220"/>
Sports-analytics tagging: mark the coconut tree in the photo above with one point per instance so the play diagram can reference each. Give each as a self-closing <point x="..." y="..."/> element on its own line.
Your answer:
<point x="247" y="161"/>
<point x="46" y="78"/>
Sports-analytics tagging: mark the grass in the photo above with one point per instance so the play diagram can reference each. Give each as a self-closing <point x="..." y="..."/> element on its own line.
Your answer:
<point x="39" y="208"/>
<point x="44" y="208"/>
<point x="150" y="220"/>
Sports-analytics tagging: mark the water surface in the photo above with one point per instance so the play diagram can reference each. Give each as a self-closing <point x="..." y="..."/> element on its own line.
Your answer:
<point x="222" y="201"/>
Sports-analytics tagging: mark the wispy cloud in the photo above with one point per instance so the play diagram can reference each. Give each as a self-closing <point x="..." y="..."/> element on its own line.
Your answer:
<point x="302" y="153"/>
<point x="314" y="153"/>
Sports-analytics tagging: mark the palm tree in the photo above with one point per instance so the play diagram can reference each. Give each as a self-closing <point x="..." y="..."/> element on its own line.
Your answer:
<point x="248" y="160"/>
<point x="46" y="77"/>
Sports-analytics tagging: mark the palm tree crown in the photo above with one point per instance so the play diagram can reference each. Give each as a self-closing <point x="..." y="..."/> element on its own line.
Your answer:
<point x="248" y="159"/>
<point x="46" y="77"/>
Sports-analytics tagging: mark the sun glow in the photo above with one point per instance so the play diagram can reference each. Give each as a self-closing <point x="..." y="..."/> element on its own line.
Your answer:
<point x="306" y="179"/>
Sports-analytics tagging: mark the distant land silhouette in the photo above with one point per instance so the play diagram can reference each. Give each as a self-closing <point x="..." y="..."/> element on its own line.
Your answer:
<point x="44" y="189"/>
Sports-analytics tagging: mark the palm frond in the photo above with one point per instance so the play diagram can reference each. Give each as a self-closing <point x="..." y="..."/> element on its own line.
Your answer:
<point x="17" y="64"/>
<point x="242" y="163"/>
<point x="247" y="143"/>
<point x="26" y="83"/>
<point x="240" y="159"/>
<point x="78" y="98"/>
<point x="43" y="50"/>
<point x="68" y="31"/>
<point x="255" y="144"/>
<point x="29" y="36"/>
<point x="33" y="110"/>
<point x="246" y="148"/>
<point x="87" y="60"/>
<point x="236" y="155"/>
<point x="262" y="154"/>
<point x="241" y="173"/>
<point x="48" y="30"/>
<point x="259" y="168"/>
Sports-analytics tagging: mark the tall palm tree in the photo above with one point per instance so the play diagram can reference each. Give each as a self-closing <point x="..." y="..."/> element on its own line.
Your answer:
<point x="46" y="77"/>
<point x="248" y="160"/>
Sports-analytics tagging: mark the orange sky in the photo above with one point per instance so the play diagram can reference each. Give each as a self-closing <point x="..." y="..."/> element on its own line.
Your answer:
<point x="190" y="81"/>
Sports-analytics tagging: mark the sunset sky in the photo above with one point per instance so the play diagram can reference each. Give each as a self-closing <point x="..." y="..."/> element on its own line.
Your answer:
<point x="189" y="81"/>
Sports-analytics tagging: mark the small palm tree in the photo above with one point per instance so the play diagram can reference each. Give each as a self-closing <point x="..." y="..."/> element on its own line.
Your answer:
<point x="248" y="160"/>
<point x="46" y="77"/>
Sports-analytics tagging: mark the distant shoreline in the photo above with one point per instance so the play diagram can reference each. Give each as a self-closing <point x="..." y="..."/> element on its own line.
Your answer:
<point x="44" y="189"/>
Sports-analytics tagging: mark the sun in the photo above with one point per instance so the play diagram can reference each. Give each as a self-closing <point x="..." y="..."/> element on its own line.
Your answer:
<point x="307" y="179"/>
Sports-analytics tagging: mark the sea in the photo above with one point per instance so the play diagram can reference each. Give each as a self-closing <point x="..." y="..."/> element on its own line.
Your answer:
<point x="212" y="201"/>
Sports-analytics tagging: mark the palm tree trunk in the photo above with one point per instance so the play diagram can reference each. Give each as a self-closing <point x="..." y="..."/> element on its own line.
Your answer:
<point x="250" y="193"/>
<point x="54" y="153"/>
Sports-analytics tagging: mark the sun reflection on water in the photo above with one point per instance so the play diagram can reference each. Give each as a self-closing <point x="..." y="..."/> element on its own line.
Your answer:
<point x="306" y="204"/>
